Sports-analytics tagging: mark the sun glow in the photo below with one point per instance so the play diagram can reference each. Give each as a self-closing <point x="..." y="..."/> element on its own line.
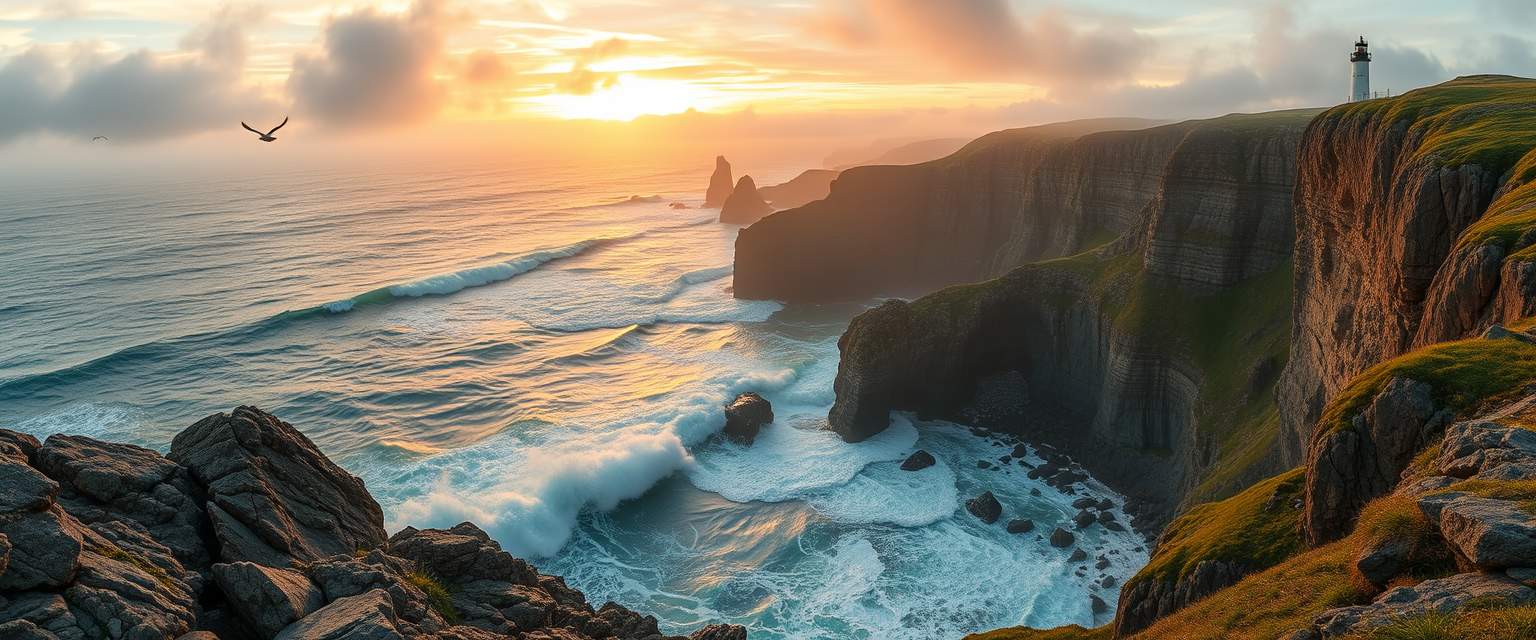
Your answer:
<point x="627" y="98"/>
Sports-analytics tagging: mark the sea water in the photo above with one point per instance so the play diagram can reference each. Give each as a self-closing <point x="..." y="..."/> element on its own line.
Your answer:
<point x="542" y="352"/>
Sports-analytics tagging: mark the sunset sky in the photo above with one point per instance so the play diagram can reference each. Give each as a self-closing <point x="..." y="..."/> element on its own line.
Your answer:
<point x="151" y="70"/>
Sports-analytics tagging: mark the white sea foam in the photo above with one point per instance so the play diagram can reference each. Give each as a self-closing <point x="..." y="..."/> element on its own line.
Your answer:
<point x="789" y="463"/>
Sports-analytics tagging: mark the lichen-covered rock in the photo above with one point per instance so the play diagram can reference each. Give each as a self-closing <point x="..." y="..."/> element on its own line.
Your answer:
<point x="267" y="598"/>
<point x="273" y="497"/>
<point x="1364" y="459"/>
<point x="1489" y="533"/>
<point x="745" y="416"/>
<point x="129" y="597"/>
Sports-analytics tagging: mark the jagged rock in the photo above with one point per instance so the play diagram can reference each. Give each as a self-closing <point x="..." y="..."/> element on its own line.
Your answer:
<point x="1078" y="555"/>
<point x="1020" y="450"/>
<point x="985" y="507"/>
<point x="267" y="598"/>
<point x="919" y="459"/>
<point x="720" y="632"/>
<point x="745" y="415"/>
<point x="1439" y="595"/>
<point x="1352" y="465"/>
<point x="344" y="576"/>
<point x="1489" y="533"/>
<point x="1062" y="538"/>
<point x="370" y="616"/>
<point x="745" y="205"/>
<point x="1146" y="601"/>
<point x="120" y="590"/>
<point x="719" y="184"/>
<point x="1022" y="525"/>
<point x="1113" y="525"/>
<point x="1475" y="447"/>
<point x="45" y="543"/>
<point x="1083" y="519"/>
<point x="31" y="614"/>
<point x="105" y="482"/>
<point x="272" y="496"/>
<point x="463" y="553"/>
<point x="18" y="445"/>
<point x="1499" y="332"/>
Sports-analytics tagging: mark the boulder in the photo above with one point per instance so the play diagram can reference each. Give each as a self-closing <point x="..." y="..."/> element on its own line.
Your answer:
<point x="267" y="598"/>
<point x="125" y="591"/>
<point x="1108" y="582"/>
<point x="745" y="415"/>
<point x="344" y="576"/>
<point x="919" y="459"/>
<point x="44" y="543"/>
<point x="1489" y="533"/>
<point x="1431" y="596"/>
<point x="719" y="184"/>
<point x="1381" y="561"/>
<point x="369" y="616"/>
<point x="463" y="553"/>
<point x="106" y="482"/>
<point x="985" y="507"/>
<point x="272" y="496"/>
<point x="1078" y="555"/>
<point x="720" y="632"/>
<point x="1098" y="605"/>
<point x="1475" y="447"/>
<point x="746" y="205"/>
<point x="1062" y="538"/>
<point x="1084" y="518"/>
<point x="1021" y="525"/>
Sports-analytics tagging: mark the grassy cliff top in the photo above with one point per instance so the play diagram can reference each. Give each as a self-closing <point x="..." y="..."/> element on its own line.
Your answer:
<point x="1486" y="120"/>
<point x="1256" y="528"/>
<point x="1464" y="374"/>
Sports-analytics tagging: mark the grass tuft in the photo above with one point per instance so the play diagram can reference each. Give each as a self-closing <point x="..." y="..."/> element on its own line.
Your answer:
<point x="438" y="596"/>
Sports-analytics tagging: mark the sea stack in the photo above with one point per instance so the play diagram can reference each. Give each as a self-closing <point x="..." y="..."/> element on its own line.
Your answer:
<point x="745" y="206"/>
<point x="745" y="416"/>
<point x="719" y="184"/>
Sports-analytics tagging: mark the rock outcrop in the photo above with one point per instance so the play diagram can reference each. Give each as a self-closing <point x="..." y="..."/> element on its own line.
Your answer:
<point x="745" y="416"/>
<point x="811" y="185"/>
<point x="745" y="205"/>
<point x="248" y="531"/>
<point x="719" y="184"/>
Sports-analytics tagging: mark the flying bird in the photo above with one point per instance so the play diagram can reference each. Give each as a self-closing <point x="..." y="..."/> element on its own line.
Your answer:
<point x="101" y="138"/>
<point x="265" y="137"/>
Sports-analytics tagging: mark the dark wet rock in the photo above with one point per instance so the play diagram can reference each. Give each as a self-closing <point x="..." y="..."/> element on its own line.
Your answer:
<point x="1084" y="502"/>
<point x="719" y="184"/>
<point x="720" y="632"/>
<point x="1020" y="451"/>
<point x="745" y="416"/>
<point x="1108" y="582"/>
<point x="1106" y="504"/>
<point x="106" y="482"/>
<point x="1021" y="525"/>
<point x="1440" y="595"/>
<point x="1062" y="538"/>
<point x="370" y="616"/>
<point x="1078" y="555"/>
<point x="463" y="553"/>
<point x="272" y="496"/>
<point x="1102" y="563"/>
<point x="985" y="507"/>
<point x="983" y="464"/>
<point x="745" y="205"/>
<point x="1098" y="605"/>
<point x="1084" y="519"/>
<point x="267" y="598"/>
<point x="1034" y="492"/>
<point x="919" y="459"/>
<point x="1489" y="533"/>
<point x="1106" y="517"/>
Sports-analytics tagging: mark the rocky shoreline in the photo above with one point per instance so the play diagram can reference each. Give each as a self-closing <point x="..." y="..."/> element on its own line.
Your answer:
<point x="245" y="530"/>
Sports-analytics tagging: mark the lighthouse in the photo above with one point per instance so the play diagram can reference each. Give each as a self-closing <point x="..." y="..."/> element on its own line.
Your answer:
<point x="1360" y="83"/>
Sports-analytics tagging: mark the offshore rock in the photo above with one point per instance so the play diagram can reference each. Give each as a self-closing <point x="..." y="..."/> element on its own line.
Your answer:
<point x="1062" y="538"/>
<point x="719" y="184"/>
<point x="985" y="507"/>
<point x="919" y="460"/>
<point x="745" y="416"/>
<point x="745" y="206"/>
<point x="272" y="496"/>
<point x="1023" y="525"/>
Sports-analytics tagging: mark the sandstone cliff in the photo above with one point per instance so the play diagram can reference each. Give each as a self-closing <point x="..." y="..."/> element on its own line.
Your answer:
<point x="1005" y="199"/>
<point x="1413" y="216"/>
<point x="247" y="531"/>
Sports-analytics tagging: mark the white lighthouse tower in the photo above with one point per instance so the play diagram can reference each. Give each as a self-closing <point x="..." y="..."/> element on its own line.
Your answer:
<point x="1360" y="83"/>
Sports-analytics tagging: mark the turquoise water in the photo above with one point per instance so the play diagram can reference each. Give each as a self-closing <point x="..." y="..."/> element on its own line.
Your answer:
<point x="541" y="353"/>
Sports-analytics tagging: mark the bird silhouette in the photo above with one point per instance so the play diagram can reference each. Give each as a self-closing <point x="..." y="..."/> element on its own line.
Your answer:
<point x="101" y="138"/>
<point x="265" y="137"/>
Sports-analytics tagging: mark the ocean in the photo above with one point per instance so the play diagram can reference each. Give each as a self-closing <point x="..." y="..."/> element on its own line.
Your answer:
<point x="544" y="353"/>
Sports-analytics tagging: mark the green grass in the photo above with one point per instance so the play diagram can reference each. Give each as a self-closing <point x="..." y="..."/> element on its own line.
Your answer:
<point x="1522" y="491"/>
<point x="1483" y="120"/>
<point x="438" y="596"/>
<point x="1238" y="529"/>
<point x="1496" y="622"/>
<point x="1464" y="374"/>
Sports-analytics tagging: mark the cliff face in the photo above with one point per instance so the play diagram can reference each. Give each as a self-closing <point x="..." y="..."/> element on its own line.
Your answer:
<point x="1005" y="199"/>
<point x="1154" y="353"/>
<point x="1411" y="228"/>
<point x="811" y="185"/>
<point x="745" y="205"/>
<point x="719" y="184"/>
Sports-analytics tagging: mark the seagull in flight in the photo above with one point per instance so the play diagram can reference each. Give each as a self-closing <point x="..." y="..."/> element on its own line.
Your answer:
<point x="265" y="137"/>
<point x="101" y="138"/>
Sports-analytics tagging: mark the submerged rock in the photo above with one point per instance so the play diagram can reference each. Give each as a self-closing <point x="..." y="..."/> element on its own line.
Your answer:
<point x="985" y="507"/>
<point x="919" y="459"/>
<point x="1022" y="525"/>
<point x="745" y="415"/>
<point x="719" y="184"/>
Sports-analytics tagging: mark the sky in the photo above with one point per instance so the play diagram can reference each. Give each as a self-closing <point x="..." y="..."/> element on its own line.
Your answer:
<point x="631" y="72"/>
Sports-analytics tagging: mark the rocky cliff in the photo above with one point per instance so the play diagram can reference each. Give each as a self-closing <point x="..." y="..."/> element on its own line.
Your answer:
<point x="745" y="205"/>
<point x="1413" y="219"/>
<point x="1005" y="199"/>
<point x="811" y="185"/>
<point x="1155" y="352"/>
<point x="719" y="183"/>
<point x="247" y="531"/>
